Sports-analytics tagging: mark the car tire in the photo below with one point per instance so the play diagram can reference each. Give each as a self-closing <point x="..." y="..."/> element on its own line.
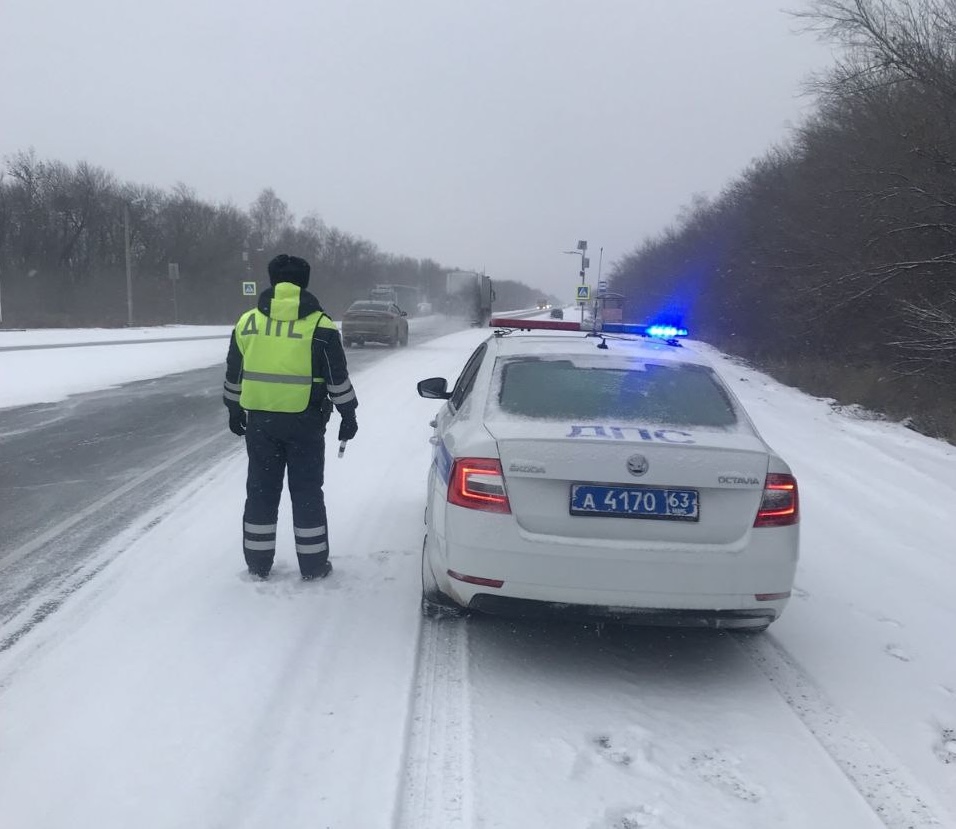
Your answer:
<point x="349" y="343"/>
<point x="405" y="339"/>
<point x="435" y="604"/>
<point x="393" y="342"/>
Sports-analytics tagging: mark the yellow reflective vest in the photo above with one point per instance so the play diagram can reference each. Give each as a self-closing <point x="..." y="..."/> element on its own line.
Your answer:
<point x="277" y="353"/>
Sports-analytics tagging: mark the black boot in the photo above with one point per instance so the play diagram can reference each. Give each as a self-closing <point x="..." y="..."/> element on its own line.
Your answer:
<point x="319" y="572"/>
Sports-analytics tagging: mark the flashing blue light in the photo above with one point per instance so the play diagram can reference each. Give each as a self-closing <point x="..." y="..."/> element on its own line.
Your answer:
<point x="666" y="332"/>
<point x="661" y="332"/>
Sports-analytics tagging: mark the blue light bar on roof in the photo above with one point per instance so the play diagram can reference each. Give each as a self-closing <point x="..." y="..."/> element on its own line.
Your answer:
<point x="666" y="332"/>
<point x="661" y="332"/>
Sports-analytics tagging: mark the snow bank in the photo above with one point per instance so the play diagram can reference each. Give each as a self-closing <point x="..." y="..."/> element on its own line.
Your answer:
<point x="48" y="375"/>
<point x="874" y="608"/>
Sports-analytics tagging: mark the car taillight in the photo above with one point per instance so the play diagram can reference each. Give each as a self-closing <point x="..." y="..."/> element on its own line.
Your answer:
<point x="780" y="506"/>
<point x="478" y="483"/>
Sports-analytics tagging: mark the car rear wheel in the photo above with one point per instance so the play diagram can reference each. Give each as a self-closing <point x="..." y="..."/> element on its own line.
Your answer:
<point x="435" y="604"/>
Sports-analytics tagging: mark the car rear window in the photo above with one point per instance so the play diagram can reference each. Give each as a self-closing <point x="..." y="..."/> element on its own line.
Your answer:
<point x="369" y="306"/>
<point x="686" y="395"/>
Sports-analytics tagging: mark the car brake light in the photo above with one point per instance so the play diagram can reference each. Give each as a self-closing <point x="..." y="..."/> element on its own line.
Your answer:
<point x="478" y="483"/>
<point x="780" y="506"/>
<point x="479" y="580"/>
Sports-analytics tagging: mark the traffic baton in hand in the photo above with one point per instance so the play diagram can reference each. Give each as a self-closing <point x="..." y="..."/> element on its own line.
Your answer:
<point x="342" y="448"/>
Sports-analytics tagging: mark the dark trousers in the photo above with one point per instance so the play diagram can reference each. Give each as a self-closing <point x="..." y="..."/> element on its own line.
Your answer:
<point x="276" y="442"/>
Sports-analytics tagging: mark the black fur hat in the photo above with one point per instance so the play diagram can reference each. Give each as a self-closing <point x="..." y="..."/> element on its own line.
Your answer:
<point x="285" y="268"/>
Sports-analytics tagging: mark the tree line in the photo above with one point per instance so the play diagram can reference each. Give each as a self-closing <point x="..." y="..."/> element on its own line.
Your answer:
<point x="831" y="260"/>
<point x="63" y="252"/>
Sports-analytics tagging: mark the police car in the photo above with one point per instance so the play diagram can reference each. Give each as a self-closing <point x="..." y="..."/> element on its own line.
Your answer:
<point x="607" y="475"/>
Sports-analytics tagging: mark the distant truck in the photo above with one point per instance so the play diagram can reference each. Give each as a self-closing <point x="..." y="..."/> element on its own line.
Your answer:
<point x="470" y="295"/>
<point x="406" y="297"/>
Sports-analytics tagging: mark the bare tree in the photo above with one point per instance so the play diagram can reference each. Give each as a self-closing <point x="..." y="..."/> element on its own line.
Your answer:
<point x="270" y="217"/>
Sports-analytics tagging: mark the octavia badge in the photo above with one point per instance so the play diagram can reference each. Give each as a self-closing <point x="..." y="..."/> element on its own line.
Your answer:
<point x="637" y="465"/>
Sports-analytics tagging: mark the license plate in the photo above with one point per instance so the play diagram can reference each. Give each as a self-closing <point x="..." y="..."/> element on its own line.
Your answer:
<point x="635" y="502"/>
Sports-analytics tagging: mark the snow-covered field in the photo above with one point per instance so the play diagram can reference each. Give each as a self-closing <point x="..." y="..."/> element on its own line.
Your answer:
<point x="42" y="373"/>
<point x="172" y="691"/>
<point x="46" y="365"/>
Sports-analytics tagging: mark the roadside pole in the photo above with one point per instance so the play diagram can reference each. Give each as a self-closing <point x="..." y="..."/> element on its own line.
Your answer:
<point x="174" y="278"/>
<point x="129" y="266"/>
<point x="583" y="248"/>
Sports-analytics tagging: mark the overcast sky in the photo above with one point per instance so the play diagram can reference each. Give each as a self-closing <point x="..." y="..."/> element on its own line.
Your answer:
<point x="486" y="133"/>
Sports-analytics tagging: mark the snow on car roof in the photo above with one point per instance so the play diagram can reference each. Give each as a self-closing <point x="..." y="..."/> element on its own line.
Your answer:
<point x="562" y="342"/>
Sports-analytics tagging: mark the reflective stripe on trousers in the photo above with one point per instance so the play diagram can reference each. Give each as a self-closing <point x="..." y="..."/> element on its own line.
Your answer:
<point x="259" y="538"/>
<point x="310" y="540"/>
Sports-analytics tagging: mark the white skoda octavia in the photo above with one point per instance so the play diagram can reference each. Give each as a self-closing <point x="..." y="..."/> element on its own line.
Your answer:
<point x="612" y="478"/>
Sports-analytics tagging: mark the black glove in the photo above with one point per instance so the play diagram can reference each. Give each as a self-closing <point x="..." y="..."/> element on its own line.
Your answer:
<point x="348" y="428"/>
<point x="237" y="422"/>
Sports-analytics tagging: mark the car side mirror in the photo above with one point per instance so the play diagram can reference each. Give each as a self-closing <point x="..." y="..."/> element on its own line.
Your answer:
<point x="434" y="388"/>
<point x="404" y="313"/>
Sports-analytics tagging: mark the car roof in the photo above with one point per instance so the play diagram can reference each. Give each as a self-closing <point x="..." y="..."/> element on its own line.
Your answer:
<point x="540" y="344"/>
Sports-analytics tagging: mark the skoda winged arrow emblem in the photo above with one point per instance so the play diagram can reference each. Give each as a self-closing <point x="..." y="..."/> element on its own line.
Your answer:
<point x="637" y="465"/>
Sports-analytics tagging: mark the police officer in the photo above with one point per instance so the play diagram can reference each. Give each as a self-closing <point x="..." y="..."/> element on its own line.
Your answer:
<point x="285" y="370"/>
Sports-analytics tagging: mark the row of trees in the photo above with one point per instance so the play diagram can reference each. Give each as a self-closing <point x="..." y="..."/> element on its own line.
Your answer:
<point x="832" y="259"/>
<point x="63" y="251"/>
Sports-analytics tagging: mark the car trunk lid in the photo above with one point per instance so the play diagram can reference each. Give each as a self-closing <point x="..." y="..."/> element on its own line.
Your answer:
<point x="543" y="460"/>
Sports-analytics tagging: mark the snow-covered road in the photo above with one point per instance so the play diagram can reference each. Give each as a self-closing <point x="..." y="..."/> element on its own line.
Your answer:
<point x="171" y="691"/>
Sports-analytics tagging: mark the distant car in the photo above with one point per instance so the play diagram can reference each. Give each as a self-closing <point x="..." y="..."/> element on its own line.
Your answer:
<point x="557" y="313"/>
<point x="617" y="479"/>
<point x="373" y="321"/>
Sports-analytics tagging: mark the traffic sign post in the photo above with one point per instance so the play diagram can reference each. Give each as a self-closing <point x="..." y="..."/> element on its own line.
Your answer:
<point x="249" y="289"/>
<point x="173" y="273"/>
<point x="602" y="287"/>
<point x="584" y="290"/>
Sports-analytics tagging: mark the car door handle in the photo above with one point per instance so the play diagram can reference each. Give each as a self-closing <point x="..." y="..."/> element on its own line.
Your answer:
<point x="433" y="422"/>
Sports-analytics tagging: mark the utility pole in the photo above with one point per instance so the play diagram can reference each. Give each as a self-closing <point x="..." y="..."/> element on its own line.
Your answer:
<point x="601" y="291"/>
<point x="129" y="266"/>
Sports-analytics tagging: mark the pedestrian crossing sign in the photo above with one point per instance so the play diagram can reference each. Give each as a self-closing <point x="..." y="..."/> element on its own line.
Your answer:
<point x="584" y="293"/>
<point x="248" y="288"/>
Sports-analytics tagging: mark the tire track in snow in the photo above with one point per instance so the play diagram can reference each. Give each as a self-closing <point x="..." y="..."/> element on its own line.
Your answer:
<point x="887" y="787"/>
<point x="435" y="790"/>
